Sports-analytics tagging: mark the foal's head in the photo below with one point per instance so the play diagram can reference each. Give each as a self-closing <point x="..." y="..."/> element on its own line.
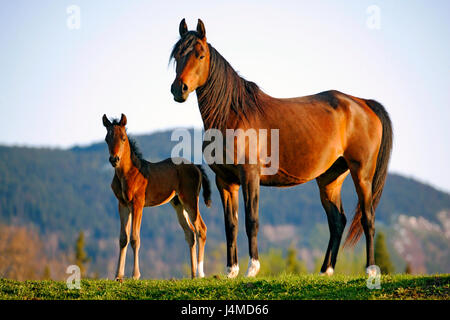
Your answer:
<point x="191" y="54"/>
<point x="117" y="139"/>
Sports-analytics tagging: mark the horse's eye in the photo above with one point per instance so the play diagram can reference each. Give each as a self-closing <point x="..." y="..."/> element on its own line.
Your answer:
<point x="201" y="57"/>
<point x="123" y="139"/>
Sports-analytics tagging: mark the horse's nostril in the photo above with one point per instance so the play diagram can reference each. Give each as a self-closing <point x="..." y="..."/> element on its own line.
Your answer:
<point x="185" y="87"/>
<point x="114" y="160"/>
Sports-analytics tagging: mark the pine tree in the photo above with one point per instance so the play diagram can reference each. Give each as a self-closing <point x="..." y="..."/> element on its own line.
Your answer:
<point x="408" y="268"/>
<point x="292" y="264"/>
<point x="382" y="258"/>
<point x="47" y="274"/>
<point x="81" y="257"/>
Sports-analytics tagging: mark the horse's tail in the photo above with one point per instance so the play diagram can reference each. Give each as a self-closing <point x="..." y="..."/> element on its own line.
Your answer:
<point x="206" y="185"/>
<point x="379" y="178"/>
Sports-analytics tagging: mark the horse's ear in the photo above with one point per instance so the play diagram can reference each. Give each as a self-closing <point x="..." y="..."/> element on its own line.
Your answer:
<point x="201" y="29"/>
<point x="123" y="120"/>
<point x="106" y="122"/>
<point x="183" y="27"/>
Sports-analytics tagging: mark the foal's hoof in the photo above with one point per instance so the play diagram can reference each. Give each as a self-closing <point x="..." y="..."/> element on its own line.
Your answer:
<point x="329" y="272"/>
<point x="120" y="280"/>
<point x="200" y="272"/>
<point x="232" y="271"/>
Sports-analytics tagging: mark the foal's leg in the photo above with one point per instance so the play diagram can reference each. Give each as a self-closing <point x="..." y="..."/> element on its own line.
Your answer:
<point x="330" y="184"/>
<point x="136" y="237"/>
<point x="201" y="235"/>
<point x="190" y="204"/>
<point x="229" y="194"/>
<point x="250" y="189"/>
<point x="189" y="234"/>
<point x="125" y="225"/>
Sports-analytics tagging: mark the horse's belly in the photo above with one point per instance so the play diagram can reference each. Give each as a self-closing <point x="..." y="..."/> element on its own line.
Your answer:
<point x="297" y="168"/>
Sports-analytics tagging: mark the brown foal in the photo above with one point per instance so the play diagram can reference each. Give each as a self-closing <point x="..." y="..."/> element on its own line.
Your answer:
<point x="138" y="183"/>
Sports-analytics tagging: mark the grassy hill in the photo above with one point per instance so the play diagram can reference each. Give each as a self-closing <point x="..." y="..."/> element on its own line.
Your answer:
<point x="276" y="288"/>
<point x="58" y="193"/>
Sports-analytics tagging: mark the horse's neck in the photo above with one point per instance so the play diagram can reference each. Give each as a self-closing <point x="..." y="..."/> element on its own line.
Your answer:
<point x="218" y="96"/>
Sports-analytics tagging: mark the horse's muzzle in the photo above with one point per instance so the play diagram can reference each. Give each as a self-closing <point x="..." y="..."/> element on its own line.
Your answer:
<point x="114" y="161"/>
<point x="180" y="91"/>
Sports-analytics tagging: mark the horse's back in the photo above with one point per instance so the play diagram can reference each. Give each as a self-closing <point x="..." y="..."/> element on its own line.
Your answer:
<point x="315" y="130"/>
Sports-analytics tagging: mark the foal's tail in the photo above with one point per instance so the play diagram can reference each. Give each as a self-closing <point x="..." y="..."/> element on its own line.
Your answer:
<point x="206" y="185"/>
<point x="356" y="229"/>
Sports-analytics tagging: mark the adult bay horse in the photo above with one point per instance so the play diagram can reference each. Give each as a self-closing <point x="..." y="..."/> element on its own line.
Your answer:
<point x="324" y="136"/>
<point x="138" y="183"/>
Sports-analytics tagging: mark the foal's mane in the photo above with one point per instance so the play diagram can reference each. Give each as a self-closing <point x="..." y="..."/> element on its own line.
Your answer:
<point x="224" y="91"/>
<point x="136" y="155"/>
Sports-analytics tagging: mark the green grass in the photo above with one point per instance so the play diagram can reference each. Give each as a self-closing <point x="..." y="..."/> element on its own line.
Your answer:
<point x="281" y="287"/>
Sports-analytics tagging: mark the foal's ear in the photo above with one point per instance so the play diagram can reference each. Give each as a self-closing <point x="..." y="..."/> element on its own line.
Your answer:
<point x="123" y="120"/>
<point x="183" y="27"/>
<point x="201" y="29"/>
<point x="106" y="122"/>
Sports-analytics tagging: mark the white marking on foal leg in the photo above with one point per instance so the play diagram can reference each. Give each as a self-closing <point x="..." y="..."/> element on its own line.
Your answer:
<point x="328" y="272"/>
<point x="253" y="267"/>
<point x="201" y="274"/>
<point x="232" y="271"/>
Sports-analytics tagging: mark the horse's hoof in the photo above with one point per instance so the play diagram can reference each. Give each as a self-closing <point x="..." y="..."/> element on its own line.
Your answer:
<point x="373" y="271"/>
<point x="232" y="271"/>
<point x="253" y="268"/>
<point x="329" y="272"/>
<point x="120" y="280"/>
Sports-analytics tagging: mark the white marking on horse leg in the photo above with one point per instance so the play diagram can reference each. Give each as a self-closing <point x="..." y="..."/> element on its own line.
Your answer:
<point x="253" y="268"/>
<point x="233" y="271"/>
<point x="372" y="271"/>
<point x="201" y="274"/>
<point x="329" y="272"/>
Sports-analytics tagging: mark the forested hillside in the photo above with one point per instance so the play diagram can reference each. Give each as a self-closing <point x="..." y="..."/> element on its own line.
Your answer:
<point x="58" y="193"/>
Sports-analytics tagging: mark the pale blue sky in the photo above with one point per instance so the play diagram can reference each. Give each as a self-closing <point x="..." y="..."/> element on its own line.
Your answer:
<point x="56" y="83"/>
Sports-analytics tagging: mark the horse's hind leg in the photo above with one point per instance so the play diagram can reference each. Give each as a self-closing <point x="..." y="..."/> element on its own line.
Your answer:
<point x="330" y="184"/>
<point x="189" y="232"/>
<point x="362" y="175"/>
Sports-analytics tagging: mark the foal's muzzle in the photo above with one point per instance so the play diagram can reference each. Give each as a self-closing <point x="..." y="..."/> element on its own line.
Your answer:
<point x="114" y="161"/>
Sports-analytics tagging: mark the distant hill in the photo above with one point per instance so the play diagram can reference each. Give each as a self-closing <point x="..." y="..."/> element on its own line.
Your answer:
<point x="60" y="192"/>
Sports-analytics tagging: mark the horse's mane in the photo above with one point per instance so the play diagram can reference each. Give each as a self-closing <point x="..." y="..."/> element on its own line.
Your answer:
<point x="136" y="154"/>
<point x="224" y="91"/>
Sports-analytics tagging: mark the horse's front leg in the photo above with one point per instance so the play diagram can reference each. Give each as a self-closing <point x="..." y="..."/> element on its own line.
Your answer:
<point x="229" y="194"/>
<point x="125" y="225"/>
<point x="250" y="189"/>
<point x="136" y="237"/>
